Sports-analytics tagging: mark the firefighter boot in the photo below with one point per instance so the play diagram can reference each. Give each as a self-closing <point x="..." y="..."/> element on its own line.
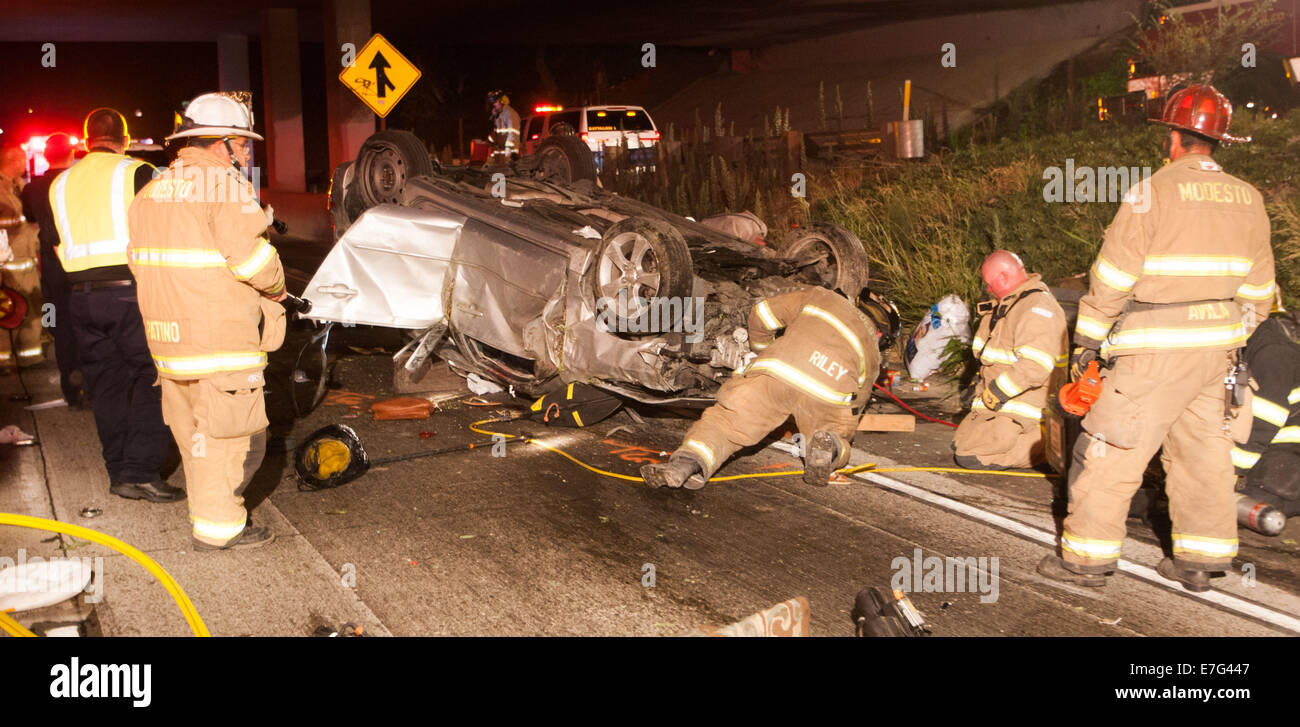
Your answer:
<point x="251" y="536"/>
<point x="1196" y="581"/>
<point x="681" y="470"/>
<point x="827" y="451"/>
<point x="1054" y="567"/>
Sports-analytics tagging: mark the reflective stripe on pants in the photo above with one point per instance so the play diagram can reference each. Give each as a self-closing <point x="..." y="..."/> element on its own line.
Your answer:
<point x="749" y="407"/>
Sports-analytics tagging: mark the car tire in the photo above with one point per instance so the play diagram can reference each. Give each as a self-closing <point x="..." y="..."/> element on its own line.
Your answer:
<point x="388" y="160"/>
<point x="564" y="160"/>
<point x="828" y="256"/>
<point x="345" y="204"/>
<point x="640" y="262"/>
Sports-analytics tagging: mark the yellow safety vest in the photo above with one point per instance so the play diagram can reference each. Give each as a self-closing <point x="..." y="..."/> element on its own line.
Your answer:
<point x="90" y="201"/>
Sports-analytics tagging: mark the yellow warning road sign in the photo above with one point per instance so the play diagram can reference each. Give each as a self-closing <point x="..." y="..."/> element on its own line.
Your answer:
<point x="380" y="76"/>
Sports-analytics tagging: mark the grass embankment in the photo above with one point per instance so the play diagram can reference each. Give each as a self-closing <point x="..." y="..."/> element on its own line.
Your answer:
<point x="928" y="225"/>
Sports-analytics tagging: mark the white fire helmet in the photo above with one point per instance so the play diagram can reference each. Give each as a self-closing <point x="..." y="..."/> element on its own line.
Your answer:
<point x="216" y="114"/>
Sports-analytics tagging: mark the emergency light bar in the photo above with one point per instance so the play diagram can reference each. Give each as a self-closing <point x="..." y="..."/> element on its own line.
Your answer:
<point x="543" y="109"/>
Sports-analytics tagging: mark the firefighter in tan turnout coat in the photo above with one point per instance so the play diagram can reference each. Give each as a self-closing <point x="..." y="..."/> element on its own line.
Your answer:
<point x="1020" y="343"/>
<point x="820" y="370"/>
<point x="1183" y="275"/>
<point x="207" y="275"/>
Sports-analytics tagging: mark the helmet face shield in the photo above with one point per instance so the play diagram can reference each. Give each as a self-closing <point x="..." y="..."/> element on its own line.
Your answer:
<point x="330" y="457"/>
<point x="883" y="314"/>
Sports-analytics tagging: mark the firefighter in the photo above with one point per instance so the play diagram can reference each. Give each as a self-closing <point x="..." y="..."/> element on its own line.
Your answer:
<point x="58" y="154"/>
<point x="22" y="271"/>
<point x="505" y="124"/>
<point x="207" y="277"/>
<point x="820" y="370"/>
<point x="1268" y="463"/>
<point x="1174" y="292"/>
<point x="1020" y="343"/>
<point x="89" y="203"/>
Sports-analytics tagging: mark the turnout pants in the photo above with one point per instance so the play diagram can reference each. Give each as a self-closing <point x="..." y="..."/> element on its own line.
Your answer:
<point x="1174" y="400"/>
<point x="23" y="344"/>
<point x="119" y="376"/>
<point x="222" y="439"/>
<point x="749" y="407"/>
<point x="999" y="438"/>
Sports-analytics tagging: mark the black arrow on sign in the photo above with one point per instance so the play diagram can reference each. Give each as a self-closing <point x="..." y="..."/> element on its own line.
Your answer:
<point x="380" y="63"/>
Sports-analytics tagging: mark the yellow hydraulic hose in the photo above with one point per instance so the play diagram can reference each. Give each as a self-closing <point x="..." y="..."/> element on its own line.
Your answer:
<point x="784" y="473"/>
<point x="183" y="601"/>
<point x="12" y="627"/>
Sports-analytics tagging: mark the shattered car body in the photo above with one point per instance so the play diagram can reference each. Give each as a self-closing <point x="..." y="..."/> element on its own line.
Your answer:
<point x="540" y="284"/>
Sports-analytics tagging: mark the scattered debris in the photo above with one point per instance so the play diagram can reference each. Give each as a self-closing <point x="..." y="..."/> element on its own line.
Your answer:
<point x="1110" y="622"/>
<point x="426" y="435"/>
<point x="15" y="436"/>
<point x="346" y="630"/>
<point x="56" y="403"/>
<point x="402" y="407"/>
<point x="480" y="385"/>
<point x="92" y="511"/>
<point x="466" y="537"/>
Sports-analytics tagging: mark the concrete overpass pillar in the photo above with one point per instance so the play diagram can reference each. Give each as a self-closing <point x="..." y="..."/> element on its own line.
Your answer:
<point x="350" y="122"/>
<point x="282" y="100"/>
<point x="232" y="63"/>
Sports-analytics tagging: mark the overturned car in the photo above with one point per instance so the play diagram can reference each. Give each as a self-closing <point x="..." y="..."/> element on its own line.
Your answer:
<point x="535" y="284"/>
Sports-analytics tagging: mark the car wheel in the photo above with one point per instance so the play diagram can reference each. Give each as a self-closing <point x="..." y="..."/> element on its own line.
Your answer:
<point x="641" y="277"/>
<point x="345" y="204"/>
<point x="828" y="256"/>
<point x="565" y="160"/>
<point x="386" y="162"/>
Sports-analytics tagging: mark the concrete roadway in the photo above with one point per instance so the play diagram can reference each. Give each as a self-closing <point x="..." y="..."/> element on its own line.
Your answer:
<point x="531" y="544"/>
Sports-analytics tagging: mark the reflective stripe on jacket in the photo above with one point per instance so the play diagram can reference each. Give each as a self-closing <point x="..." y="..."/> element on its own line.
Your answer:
<point x="1195" y="241"/>
<point x="1274" y="362"/>
<point x="827" y="348"/>
<point x="202" y="262"/>
<point x="90" y="202"/>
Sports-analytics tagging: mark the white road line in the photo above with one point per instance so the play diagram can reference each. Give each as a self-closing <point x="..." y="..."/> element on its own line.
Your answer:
<point x="1225" y="600"/>
<point x="1039" y="535"/>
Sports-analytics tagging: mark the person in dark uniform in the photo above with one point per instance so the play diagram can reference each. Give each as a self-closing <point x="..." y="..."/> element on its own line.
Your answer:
<point x="54" y="281"/>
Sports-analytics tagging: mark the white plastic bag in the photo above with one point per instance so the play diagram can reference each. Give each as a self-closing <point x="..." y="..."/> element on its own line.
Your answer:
<point x="947" y="319"/>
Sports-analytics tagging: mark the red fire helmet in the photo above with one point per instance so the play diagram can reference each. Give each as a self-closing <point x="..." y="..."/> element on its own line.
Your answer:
<point x="13" y="308"/>
<point x="1202" y="109"/>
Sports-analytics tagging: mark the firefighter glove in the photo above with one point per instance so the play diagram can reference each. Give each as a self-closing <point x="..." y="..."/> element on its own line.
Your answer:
<point x="993" y="396"/>
<point x="1080" y="357"/>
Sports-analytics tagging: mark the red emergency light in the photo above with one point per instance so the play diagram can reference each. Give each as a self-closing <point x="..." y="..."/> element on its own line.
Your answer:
<point x="545" y="108"/>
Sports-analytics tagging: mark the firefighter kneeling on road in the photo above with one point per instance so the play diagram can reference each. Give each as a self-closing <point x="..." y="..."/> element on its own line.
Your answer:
<point x="1019" y="344"/>
<point x="207" y="275"/>
<point x="820" y="370"/>
<point x="1184" y="268"/>
<point x="1268" y="463"/>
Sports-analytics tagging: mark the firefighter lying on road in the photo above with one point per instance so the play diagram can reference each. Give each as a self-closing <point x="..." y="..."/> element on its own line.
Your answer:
<point x="820" y="370"/>
<point x="1020" y="343"/>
